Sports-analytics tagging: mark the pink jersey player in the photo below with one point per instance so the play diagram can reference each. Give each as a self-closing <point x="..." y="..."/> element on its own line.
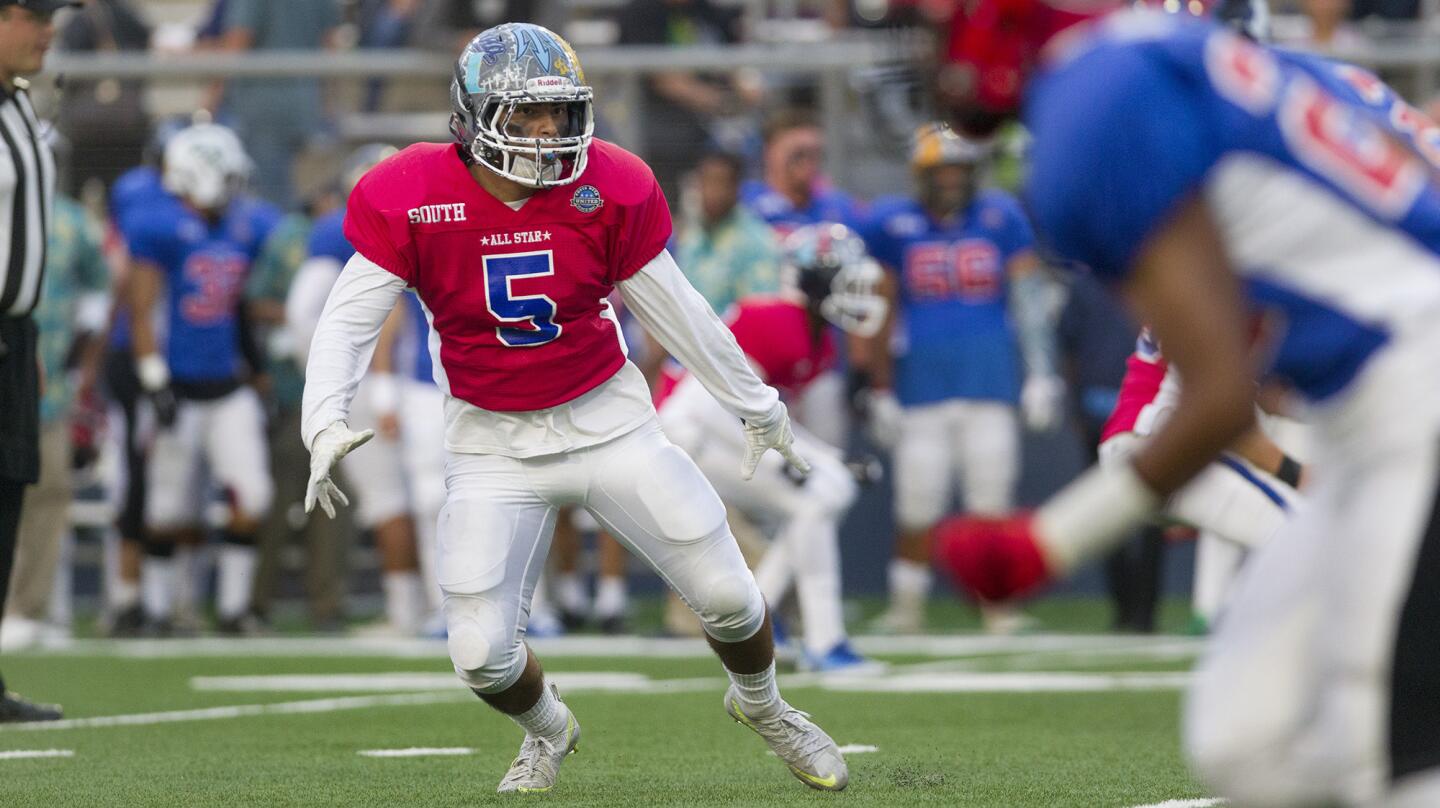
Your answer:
<point x="828" y="278"/>
<point x="513" y="237"/>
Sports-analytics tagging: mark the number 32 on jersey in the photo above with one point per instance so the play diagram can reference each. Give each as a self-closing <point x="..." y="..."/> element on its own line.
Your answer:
<point x="533" y="315"/>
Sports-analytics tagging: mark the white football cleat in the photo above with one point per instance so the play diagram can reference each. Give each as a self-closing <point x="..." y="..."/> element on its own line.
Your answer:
<point x="810" y="754"/>
<point x="537" y="767"/>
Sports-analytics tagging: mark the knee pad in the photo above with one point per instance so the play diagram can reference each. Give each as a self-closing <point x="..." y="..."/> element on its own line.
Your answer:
<point x="487" y="656"/>
<point x="733" y="608"/>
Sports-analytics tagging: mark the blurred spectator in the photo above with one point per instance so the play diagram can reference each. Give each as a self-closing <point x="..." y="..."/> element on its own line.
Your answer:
<point x="276" y="118"/>
<point x="1325" y="27"/>
<point x="678" y="107"/>
<point x="792" y="190"/>
<point x="383" y="24"/>
<point x="726" y="251"/>
<point x="325" y="540"/>
<point x="105" y="121"/>
<point x="73" y="307"/>
<point x="1096" y="335"/>
<point x="448" y="25"/>
<point x="1386" y="9"/>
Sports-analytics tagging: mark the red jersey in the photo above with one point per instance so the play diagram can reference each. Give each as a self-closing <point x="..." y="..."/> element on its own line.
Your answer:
<point x="1145" y="372"/>
<point x="775" y="334"/>
<point x="517" y="297"/>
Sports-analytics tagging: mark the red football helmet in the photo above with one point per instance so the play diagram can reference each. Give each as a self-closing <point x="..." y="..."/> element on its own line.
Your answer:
<point x="991" y="48"/>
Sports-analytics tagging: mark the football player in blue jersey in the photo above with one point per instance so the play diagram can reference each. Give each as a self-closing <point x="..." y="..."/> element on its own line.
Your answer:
<point x="1209" y="176"/>
<point x="792" y="191"/>
<point x="194" y="252"/>
<point x="947" y="401"/>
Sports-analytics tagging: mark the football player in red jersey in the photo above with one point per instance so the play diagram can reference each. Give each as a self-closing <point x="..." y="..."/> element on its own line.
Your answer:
<point x="828" y="278"/>
<point x="513" y="238"/>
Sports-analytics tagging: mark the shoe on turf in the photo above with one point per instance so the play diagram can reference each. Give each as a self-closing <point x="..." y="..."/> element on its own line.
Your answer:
<point x="810" y="754"/>
<point x="246" y="624"/>
<point x="15" y="708"/>
<point x="128" y="623"/>
<point x="614" y="625"/>
<point x="899" y="620"/>
<point x="842" y="659"/>
<point x="537" y="766"/>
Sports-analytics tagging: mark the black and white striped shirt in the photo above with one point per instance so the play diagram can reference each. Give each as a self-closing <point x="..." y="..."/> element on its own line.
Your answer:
<point x="27" y="188"/>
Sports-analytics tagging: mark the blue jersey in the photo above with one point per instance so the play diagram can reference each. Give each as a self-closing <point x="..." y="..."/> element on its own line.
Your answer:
<point x="826" y="205"/>
<point x="134" y="192"/>
<point x="1324" y="203"/>
<point x="327" y="238"/>
<point x="414" y="359"/>
<point x="953" y="296"/>
<point x="412" y="350"/>
<point x="205" y="266"/>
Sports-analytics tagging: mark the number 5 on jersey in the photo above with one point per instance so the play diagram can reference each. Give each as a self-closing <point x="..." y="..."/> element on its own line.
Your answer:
<point x="534" y="314"/>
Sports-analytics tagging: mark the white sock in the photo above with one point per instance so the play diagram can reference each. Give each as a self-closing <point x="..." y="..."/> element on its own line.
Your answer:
<point x="909" y="583"/>
<point x="236" y="580"/>
<point x="814" y="537"/>
<point x="610" y="596"/>
<point x="157" y="585"/>
<point x="547" y="718"/>
<point x="124" y="594"/>
<point x="188" y="578"/>
<point x="570" y="592"/>
<point x="404" y="600"/>
<point x="758" y="693"/>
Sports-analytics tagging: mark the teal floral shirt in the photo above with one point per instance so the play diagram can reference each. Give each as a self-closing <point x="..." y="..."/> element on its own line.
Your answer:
<point x="285" y="250"/>
<point x="74" y="270"/>
<point x="737" y="257"/>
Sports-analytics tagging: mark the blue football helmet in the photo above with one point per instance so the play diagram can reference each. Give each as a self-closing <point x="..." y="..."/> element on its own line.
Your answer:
<point x="510" y="65"/>
<point x="827" y="263"/>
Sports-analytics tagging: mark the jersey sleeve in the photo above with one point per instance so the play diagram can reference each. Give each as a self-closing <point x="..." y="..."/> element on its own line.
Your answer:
<point x="645" y="229"/>
<point x="878" y="241"/>
<point x="1126" y="139"/>
<point x="148" y="240"/>
<point x="382" y="236"/>
<point x="1013" y="233"/>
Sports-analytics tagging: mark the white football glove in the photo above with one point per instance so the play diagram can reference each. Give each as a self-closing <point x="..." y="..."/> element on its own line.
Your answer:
<point x="333" y="442"/>
<point x="883" y="415"/>
<point x="1041" y="400"/>
<point x="772" y="433"/>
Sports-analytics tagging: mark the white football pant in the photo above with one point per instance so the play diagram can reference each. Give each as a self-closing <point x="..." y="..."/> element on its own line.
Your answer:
<point x="375" y="478"/>
<point x="422" y="429"/>
<point x="499" y="517"/>
<point x="221" y="440"/>
<point x="1322" y="682"/>
<point x="805" y="514"/>
<point x="976" y="443"/>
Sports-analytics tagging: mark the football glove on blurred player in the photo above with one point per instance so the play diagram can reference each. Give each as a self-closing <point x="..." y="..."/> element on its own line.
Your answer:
<point x="1042" y="401"/>
<point x="772" y="433"/>
<point x="333" y="442"/>
<point x="154" y="377"/>
<point x="998" y="559"/>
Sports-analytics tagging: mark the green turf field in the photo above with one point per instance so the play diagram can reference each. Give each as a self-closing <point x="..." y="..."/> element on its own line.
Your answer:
<point x="1051" y="719"/>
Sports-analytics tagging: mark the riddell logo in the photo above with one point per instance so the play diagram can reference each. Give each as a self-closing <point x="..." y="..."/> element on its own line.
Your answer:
<point x="432" y="214"/>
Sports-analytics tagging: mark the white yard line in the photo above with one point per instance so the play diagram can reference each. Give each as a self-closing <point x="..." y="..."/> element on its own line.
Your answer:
<point x="1037" y="682"/>
<point x="417" y="751"/>
<point x="247" y="710"/>
<point x="30" y="754"/>
<point x="1185" y="804"/>
<point x="595" y="646"/>
<point x="858" y="749"/>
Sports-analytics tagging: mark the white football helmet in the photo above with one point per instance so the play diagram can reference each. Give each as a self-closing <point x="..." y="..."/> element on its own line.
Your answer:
<point x="829" y="265"/>
<point x="206" y="165"/>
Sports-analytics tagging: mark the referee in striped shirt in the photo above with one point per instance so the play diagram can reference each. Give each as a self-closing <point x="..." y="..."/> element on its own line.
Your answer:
<point x="27" y="183"/>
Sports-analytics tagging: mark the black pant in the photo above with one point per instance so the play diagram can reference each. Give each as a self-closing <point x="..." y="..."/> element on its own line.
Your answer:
<point x="19" y="435"/>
